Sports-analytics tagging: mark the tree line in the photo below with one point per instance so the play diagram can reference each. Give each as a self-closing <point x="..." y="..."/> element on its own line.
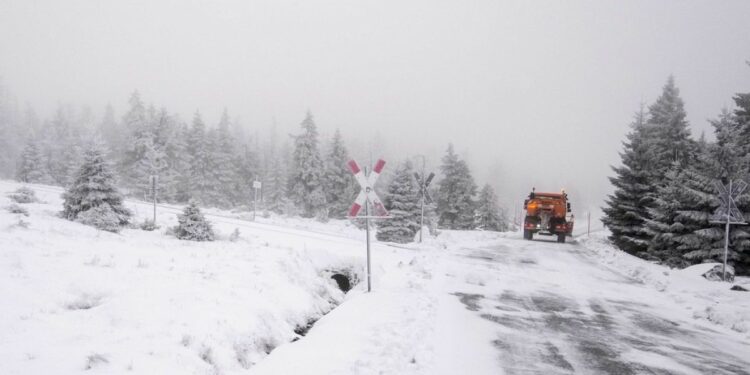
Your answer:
<point x="665" y="193"/>
<point x="216" y="166"/>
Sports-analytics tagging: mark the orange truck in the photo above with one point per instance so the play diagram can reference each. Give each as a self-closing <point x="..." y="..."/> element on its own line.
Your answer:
<point x="547" y="214"/>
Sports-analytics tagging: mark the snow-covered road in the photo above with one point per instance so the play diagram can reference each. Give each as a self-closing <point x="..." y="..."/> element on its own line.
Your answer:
<point x="556" y="310"/>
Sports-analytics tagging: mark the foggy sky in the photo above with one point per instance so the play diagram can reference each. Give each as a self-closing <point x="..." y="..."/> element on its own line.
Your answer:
<point x="532" y="93"/>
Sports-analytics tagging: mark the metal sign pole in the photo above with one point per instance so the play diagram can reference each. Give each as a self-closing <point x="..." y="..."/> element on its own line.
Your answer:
<point x="728" y="214"/>
<point x="153" y="193"/>
<point x="367" y="225"/>
<point x="726" y="251"/>
<point x="255" y="202"/>
<point x="256" y="186"/>
<point x="366" y="179"/>
<point x="421" y="202"/>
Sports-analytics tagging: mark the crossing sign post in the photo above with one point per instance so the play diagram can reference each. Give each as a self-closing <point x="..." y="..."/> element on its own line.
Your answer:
<point x="365" y="198"/>
<point x="256" y="186"/>
<point x="424" y="195"/>
<point x="728" y="213"/>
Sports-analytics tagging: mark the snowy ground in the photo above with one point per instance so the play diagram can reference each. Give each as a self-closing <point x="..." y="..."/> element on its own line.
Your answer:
<point x="465" y="302"/>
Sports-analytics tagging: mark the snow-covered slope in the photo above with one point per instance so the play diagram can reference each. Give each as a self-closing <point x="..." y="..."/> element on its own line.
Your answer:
<point x="76" y="298"/>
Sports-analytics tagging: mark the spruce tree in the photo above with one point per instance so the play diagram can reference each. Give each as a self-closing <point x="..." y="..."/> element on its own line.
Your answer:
<point x="626" y="210"/>
<point x="226" y="168"/>
<point x="306" y="185"/>
<point x="199" y="160"/>
<point x="456" y="191"/>
<point x="489" y="215"/>
<point x="138" y="139"/>
<point x="669" y="132"/>
<point x="32" y="167"/>
<point x="339" y="184"/>
<point x="275" y="199"/>
<point x="193" y="225"/>
<point x="402" y="203"/>
<point x="94" y="189"/>
<point x="111" y="132"/>
<point x="664" y="225"/>
<point x="178" y="158"/>
<point x="740" y="235"/>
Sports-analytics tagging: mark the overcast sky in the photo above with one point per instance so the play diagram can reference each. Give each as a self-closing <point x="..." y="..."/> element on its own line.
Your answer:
<point x="530" y="92"/>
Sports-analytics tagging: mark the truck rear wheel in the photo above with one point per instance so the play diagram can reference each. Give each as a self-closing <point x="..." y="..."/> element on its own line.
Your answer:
<point x="527" y="234"/>
<point x="561" y="238"/>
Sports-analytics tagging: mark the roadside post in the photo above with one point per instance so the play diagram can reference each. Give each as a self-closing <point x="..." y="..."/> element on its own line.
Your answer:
<point x="424" y="196"/>
<point x="154" y="180"/>
<point x="256" y="186"/>
<point x="365" y="198"/>
<point x="728" y="213"/>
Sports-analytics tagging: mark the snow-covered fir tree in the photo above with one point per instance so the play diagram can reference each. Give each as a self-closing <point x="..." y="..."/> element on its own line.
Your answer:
<point x="138" y="139"/>
<point x="7" y="139"/>
<point x="199" y="160"/>
<point x="276" y="193"/>
<point x="246" y="162"/>
<point x="669" y="132"/>
<point x="402" y="203"/>
<point x="178" y="158"/>
<point x="626" y="210"/>
<point x="226" y="165"/>
<point x="110" y="131"/>
<point x="489" y="216"/>
<point x="192" y="225"/>
<point x="339" y="184"/>
<point x="306" y="183"/>
<point x="32" y="167"/>
<point x="456" y="191"/>
<point x="94" y="189"/>
<point x="668" y="225"/>
<point x="740" y="234"/>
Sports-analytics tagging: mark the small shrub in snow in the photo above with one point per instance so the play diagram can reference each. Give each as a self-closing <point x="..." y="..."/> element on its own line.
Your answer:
<point x="148" y="225"/>
<point x="193" y="225"/>
<point x="102" y="217"/>
<point x="23" y="195"/>
<point x="94" y="360"/>
<point x="235" y="235"/>
<point x="21" y="224"/>
<point x="16" y="209"/>
<point x="716" y="274"/>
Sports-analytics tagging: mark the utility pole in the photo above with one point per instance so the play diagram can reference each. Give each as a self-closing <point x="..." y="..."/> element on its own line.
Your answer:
<point x="588" y="230"/>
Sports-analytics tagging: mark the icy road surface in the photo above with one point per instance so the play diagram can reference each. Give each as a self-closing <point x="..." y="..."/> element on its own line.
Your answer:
<point x="505" y="305"/>
<point x="555" y="310"/>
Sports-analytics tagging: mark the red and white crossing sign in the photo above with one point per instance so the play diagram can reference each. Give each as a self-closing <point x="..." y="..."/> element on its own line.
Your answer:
<point x="368" y="189"/>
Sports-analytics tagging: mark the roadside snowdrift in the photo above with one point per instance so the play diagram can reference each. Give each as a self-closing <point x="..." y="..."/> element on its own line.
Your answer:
<point x="708" y="300"/>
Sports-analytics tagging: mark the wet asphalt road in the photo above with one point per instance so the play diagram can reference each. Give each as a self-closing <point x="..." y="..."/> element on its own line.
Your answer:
<point x="556" y="310"/>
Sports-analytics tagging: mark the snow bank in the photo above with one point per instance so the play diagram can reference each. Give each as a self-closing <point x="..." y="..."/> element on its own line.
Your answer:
<point x="75" y="298"/>
<point x="706" y="300"/>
